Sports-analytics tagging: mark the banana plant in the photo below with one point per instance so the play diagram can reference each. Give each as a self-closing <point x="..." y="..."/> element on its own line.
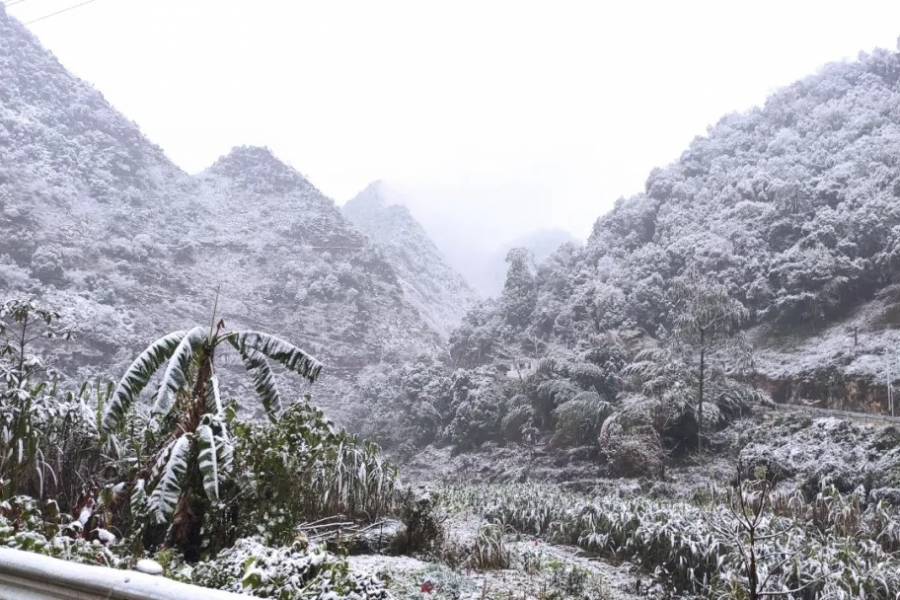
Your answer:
<point x="189" y="418"/>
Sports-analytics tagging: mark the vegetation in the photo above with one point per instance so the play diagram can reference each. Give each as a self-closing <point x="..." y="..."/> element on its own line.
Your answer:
<point x="706" y="314"/>
<point x="293" y="571"/>
<point x="182" y="473"/>
<point x="300" y="469"/>
<point x="630" y="402"/>
<point x="818" y="550"/>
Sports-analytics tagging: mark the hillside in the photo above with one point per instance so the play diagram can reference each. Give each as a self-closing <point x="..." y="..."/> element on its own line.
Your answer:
<point x="794" y="207"/>
<point x="96" y="220"/>
<point x="440" y="294"/>
<point x="781" y="226"/>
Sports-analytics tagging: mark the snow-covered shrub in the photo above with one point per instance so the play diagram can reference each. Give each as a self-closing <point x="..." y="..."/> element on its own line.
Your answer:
<point x="404" y="405"/>
<point x="300" y="468"/>
<point x="477" y="407"/>
<point x="517" y="421"/>
<point x="489" y="550"/>
<point x="423" y="531"/>
<point x="295" y="572"/>
<point x="578" y="421"/>
<point x="48" y="437"/>
<point x="831" y="451"/>
<point x="25" y="526"/>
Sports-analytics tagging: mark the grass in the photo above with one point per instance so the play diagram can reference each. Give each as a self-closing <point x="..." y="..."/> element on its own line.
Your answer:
<point x="837" y="546"/>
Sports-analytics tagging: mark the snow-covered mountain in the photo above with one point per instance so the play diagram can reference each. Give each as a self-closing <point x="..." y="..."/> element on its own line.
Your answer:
<point x="440" y="294"/>
<point x="793" y="207"/>
<point x="96" y="220"/>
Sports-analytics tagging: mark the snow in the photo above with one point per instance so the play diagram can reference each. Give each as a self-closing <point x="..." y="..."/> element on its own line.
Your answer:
<point x="106" y="537"/>
<point x="150" y="567"/>
<point x="86" y="512"/>
<point x="28" y="575"/>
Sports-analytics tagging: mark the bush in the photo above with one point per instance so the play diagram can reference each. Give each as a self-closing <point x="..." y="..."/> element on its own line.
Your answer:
<point x="578" y="421"/>
<point x="423" y="531"/>
<point x="489" y="551"/>
<point x="294" y="572"/>
<point x="300" y="468"/>
<point x="25" y="526"/>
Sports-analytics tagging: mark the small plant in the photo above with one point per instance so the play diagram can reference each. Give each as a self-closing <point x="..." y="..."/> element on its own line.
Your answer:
<point x="489" y="551"/>
<point x="571" y="582"/>
<point x="746" y="526"/>
<point x="424" y="530"/>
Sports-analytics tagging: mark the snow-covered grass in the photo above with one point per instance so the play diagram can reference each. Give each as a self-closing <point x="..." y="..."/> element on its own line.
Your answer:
<point x="839" y="544"/>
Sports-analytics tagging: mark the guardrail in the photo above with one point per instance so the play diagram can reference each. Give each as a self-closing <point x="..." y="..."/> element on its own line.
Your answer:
<point x="841" y="414"/>
<point x="29" y="576"/>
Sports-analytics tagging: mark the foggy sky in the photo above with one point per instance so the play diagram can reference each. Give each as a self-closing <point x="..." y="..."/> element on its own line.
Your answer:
<point x="504" y="116"/>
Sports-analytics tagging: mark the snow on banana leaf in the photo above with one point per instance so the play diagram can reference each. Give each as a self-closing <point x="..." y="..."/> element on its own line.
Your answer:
<point x="177" y="372"/>
<point x="213" y="400"/>
<point x="263" y="380"/>
<point x="136" y="378"/>
<point x="286" y="354"/>
<point x="165" y="496"/>
<point x="209" y="461"/>
<point x="138" y="497"/>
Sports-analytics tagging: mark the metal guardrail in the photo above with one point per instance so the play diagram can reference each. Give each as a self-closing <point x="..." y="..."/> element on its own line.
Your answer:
<point x="841" y="414"/>
<point x="28" y="576"/>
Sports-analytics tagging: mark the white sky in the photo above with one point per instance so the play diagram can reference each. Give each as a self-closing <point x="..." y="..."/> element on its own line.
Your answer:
<point x="499" y="116"/>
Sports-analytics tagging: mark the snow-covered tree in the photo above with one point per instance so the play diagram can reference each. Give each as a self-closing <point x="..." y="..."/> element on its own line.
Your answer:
<point x="191" y="452"/>
<point x="520" y="291"/>
<point x="706" y="317"/>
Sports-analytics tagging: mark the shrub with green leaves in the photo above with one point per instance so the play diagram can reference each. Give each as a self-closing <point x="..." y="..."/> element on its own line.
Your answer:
<point x="24" y="525"/>
<point x="295" y="572"/>
<point x="300" y="468"/>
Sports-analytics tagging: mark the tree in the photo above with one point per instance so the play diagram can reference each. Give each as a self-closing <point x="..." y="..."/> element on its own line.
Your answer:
<point x="747" y="527"/>
<point x="23" y="322"/>
<point x="520" y="290"/>
<point x="190" y="455"/>
<point x="706" y="318"/>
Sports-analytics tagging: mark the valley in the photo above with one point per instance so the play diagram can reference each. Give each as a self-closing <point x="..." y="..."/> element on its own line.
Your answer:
<point x="268" y="393"/>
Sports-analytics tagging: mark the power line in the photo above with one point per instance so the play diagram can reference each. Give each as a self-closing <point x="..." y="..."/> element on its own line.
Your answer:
<point x="59" y="12"/>
<point x="13" y="3"/>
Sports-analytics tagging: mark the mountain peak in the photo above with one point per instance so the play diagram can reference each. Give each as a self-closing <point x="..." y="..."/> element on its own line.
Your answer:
<point x="376" y="193"/>
<point x="379" y="195"/>
<point x="258" y="167"/>
<point x="440" y="294"/>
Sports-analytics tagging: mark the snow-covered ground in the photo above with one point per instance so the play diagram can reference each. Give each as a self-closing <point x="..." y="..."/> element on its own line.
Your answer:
<point x="537" y="570"/>
<point x="865" y="345"/>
